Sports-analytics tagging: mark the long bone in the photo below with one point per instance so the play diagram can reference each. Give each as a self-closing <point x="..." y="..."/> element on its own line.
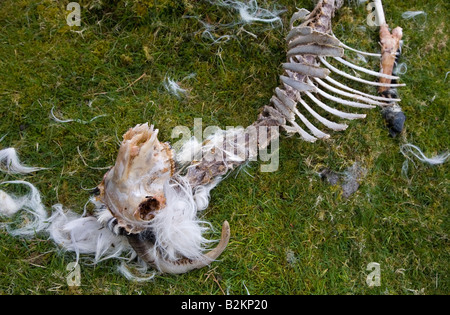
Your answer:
<point x="390" y="52"/>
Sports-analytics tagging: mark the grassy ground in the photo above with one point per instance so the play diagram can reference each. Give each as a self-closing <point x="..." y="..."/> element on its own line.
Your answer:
<point x="292" y="233"/>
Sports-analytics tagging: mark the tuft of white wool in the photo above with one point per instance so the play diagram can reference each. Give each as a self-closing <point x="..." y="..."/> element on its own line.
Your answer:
<point x="82" y="235"/>
<point x="412" y="14"/>
<point x="9" y="205"/>
<point x="140" y="267"/>
<point x="400" y="69"/>
<point x="31" y="203"/>
<point x="84" y="122"/>
<point x="189" y="151"/>
<point x="174" y="88"/>
<point x="178" y="230"/>
<point x="202" y="194"/>
<point x="405" y="167"/>
<point x="409" y="148"/>
<point x="250" y="12"/>
<point x="86" y="235"/>
<point x="10" y="163"/>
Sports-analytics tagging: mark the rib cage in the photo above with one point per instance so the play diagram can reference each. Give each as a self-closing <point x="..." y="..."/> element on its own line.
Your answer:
<point x="306" y="86"/>
<point x="306" y="70"/>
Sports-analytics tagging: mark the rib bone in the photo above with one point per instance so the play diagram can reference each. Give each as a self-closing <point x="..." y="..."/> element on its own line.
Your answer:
<point x="306" y="69"/>
<point x="349" y="76"/>
<point x="350" y="95"/>
<point x="342" y="101"/>
<point x="332" y="125"/>
<point x="290" y="103"/>
<point x="315" y="37"/>
<point x="374" y="73"/>
<point x="298" y="31"/>
<point x="289" y="115"/>
<point x="299" y="86"/>
<point x="333" y="110"/>
<point x="375" y="97"/>
<point x="318" y="50"/>
<point x="297" y="129"/>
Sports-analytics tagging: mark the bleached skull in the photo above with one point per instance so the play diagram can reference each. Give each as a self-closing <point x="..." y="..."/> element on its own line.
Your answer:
<point x="133" y="189"/>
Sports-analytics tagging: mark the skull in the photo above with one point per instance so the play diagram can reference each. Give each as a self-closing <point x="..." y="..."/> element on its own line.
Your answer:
<point x="133" y="189"/>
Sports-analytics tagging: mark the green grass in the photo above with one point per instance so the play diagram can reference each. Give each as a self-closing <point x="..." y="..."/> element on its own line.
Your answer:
<point x="291" y="232"/>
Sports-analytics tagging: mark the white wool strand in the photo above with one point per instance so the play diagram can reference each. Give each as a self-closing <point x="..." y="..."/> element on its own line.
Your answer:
<point x="74" y="120"/>
<point x="412" y="14"/>
<point x="10" y="163"/>
<point x="85" y="235"/>
<point x="408" y="148"/>
<point x="177" y="228"/>
<point x="250" y="12"/>
<point x="9" y="204"/>
<point x="31" y="203"/>
<point x="173" y="87"/>
<point x="124" y="269"/>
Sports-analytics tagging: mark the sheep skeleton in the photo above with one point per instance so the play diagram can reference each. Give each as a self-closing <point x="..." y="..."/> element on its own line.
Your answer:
<point x="309" y="44"/>
<point x="147" y="203"/>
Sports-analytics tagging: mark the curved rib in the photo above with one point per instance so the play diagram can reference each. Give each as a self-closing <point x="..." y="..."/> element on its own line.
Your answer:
<point x="299" y="86"/>
<point x="296" y="128"/>
<point x="333" y="110"/>
<point x="374" y="97"/>
<point x="349" y="76"/>
<point x="342" y="101"/>
<point x="315" y="131"/>
<point x="318" y="50"/>
<point x="282" y="109"/>
<point x="306" y="69"/>
<point x="298" y="31"/>
<point x="350" y="95"/>
<point x="362" y="69"/>
<point x="290" y="103"/>
<point x="356" y="50"/>
<point x="359" y="51"/>
<point x="332" y="125"/>
<point x="315" y="37"/>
